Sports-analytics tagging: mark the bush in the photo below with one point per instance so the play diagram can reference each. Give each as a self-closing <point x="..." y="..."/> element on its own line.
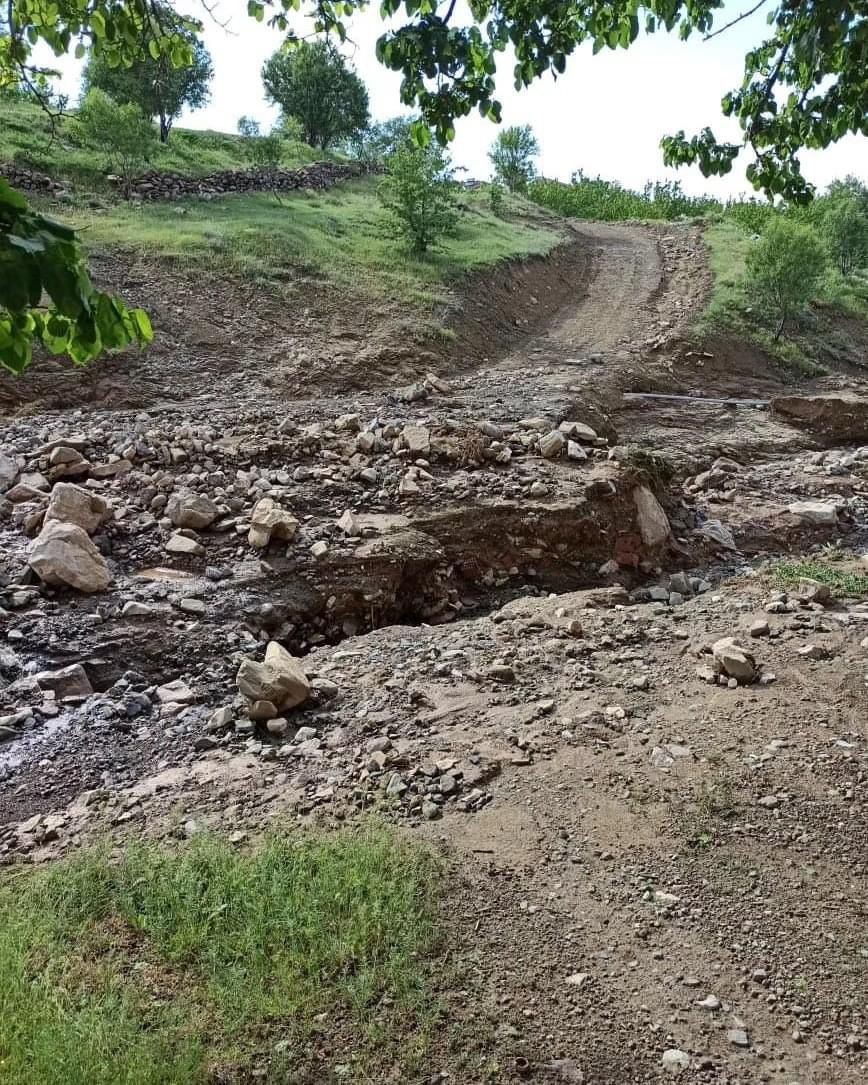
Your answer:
<point x="123" y="132"/>
<point x="607" y="201"/>
<point x="495" y="195"/>
<point x="784" y="268"/>
<point x="512" y="156"/>
<point x="420" y="193"/>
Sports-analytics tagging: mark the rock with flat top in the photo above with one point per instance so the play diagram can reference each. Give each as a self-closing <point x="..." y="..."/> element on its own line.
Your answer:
<point x="71" y="504"/>
<point x="192" y="510"/>
<point x="815" y="512"/>
<point x="280" y="679"/>
<point x="68" y="684"/>
<point x="578" y="431"/>
<point x="417" y="439"/>
<point x="63" y="555"/>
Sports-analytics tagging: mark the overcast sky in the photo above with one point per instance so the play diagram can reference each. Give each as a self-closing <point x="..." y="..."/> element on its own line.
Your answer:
<point x="605" y="115"/>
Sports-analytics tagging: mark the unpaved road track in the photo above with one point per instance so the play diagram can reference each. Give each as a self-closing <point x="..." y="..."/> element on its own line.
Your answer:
<point x="624" y="841"/>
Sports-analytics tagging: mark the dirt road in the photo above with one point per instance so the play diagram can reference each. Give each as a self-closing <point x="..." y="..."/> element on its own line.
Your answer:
<point x="652" y="873"/>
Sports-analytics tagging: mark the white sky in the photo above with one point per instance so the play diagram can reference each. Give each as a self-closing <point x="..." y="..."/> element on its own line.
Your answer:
<point x="605" y="115"/>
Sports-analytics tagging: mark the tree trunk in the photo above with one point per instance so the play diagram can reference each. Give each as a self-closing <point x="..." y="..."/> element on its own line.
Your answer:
<point x="780" y="327"/>
<point x="165" y="128"/>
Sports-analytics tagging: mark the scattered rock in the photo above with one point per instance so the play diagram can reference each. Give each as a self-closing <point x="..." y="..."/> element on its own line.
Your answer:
<point x="63" y="555"/>
<point x="280" y="679"/>
<point x="652" y="520"/>
<point x="187" y="509"/>
<point x="814" y="512"/>
<point x="734" y="660"/>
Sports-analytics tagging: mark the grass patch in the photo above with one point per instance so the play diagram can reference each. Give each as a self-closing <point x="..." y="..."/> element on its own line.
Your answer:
<point x="195" y="966"/>
<point x="28" y="138"/>
<point x="844" y="582"/>
<point x="343" y="235"/>
<point x="730" y="308"/>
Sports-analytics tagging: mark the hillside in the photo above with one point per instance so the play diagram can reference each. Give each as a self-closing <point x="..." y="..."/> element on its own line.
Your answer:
<point x="29" y="137"/>
<point x="441" y="669"/>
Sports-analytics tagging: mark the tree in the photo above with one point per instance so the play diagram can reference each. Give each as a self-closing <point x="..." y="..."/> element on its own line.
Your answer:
<point x="154" y="84"/>
<point x="845" y="232"/>
<point x="379" y="141"/>
<point x="312" y="82"/>
<point x="123" y="132"/>
<point x="784" y="268"/>
<point x="512" y="156"/>
<point x="803" y="86"/>
<point x="419" y="191"/>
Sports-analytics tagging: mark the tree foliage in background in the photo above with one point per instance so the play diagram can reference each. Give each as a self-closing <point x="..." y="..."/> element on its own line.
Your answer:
<point x="41" y="257"/>
<point x="312" y="82"/>
<point x="784" y="268"/>
<point x="512" y="156"/>
<point x="845" y="233"/>
<point x="379" y="141"/>
<point x="154" y="84"/>
<point x="419" y="191"/>
<point x="122" y="132"/>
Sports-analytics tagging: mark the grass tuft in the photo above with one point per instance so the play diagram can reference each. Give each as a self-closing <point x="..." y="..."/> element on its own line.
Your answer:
<point x="845" y="582"/>
<point x="167" y="967"/>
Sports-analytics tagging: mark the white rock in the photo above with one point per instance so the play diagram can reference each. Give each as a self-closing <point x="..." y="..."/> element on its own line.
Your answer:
<point x="71" y="504"/>
<point x="349" y="524"/>
<point x="63" y="554"/>
<point x="279" y="679"/>
<point x="270" y="521"/>
<point x="578" y="431"/>
<point x="815" y="512"/>
<point x="177" y="692"/>
<point x="417" y="438"/>
<point x="734" y="659"/>
<point x="181" y="544"/>
<point x="575" y="451"/>
<point x="717" y="532"/>
<point x="8" y="471"/>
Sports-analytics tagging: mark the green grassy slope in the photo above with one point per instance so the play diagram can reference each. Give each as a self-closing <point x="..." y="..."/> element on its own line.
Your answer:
<point x="28" y="138"/>
<point x="344" y="235"/>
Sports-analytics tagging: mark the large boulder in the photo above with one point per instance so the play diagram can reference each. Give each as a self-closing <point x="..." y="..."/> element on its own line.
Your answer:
<point x="270" y="521"/>
<point x="815" y="512"/>
<point x="63" y="555"/>
<point x="652" y="521"/>
<point x="279" y="679"/>
<point x="187" y="509"/>
<point x="71" y="504"/>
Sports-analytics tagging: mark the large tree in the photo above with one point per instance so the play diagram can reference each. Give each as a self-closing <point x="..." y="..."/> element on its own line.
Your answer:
<point x="312" y="82"/>
<point x="159" y="88"/>
<point x="804" y="85"/>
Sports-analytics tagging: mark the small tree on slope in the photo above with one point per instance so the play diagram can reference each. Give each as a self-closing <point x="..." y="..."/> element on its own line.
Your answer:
<point x="784" y="268"/>
<point x="420" y="193"/>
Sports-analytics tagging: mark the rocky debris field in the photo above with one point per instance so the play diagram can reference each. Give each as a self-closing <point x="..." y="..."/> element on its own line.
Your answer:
<point x="513" y="622"/>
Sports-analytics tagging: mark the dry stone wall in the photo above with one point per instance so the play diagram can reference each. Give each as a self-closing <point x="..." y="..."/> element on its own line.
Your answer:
<point x="157" y="185"/>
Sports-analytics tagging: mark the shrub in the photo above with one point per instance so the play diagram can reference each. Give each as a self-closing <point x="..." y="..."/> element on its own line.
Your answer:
<point x="123" y="132"/>
<point x="512" y="156"/>
<point x="784" y="268"/>
<point x="495" y="195"/>
<point x="420" y="193"/>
